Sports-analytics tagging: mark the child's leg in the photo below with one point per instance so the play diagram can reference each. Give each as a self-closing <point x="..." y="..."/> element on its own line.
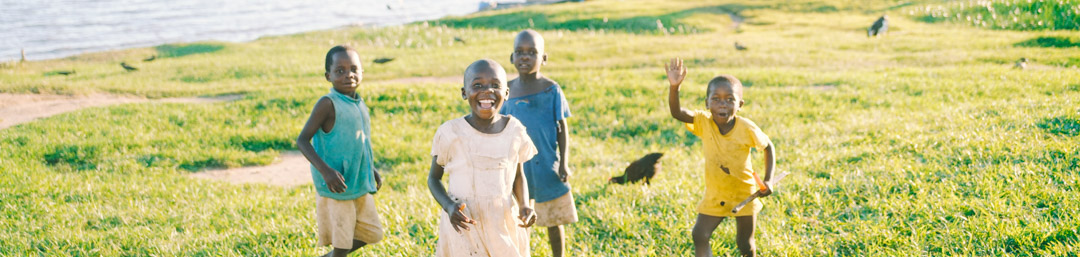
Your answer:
<point x="555" y="237"/>
<point x="744" y="234"/>
<point x="703" y="229"/>
<point x="335" y="217"/>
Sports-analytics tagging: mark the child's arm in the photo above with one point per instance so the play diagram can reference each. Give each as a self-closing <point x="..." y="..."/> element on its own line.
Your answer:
<point x="456" y="210"/>
<point x="770" y="162"/>
<point x="527" y="215"/>
<point x="323" y="109"/>
<point x="378" y="178"/>
<point x="675" y="74"/>
<point x="562" y="139"/>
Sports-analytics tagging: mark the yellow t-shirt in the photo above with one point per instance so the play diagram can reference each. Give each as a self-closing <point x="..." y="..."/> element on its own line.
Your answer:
<point x="728" y="176"/>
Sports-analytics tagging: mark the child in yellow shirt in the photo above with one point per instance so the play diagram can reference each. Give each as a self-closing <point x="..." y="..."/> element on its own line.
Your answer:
<point x="727" y="140"/>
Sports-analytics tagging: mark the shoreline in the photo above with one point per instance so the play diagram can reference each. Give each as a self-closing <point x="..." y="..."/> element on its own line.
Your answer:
<point x="42" y="40"/>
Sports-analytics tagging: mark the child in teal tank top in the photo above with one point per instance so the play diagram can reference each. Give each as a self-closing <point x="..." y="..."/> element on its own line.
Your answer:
<point x="337" y="142"/>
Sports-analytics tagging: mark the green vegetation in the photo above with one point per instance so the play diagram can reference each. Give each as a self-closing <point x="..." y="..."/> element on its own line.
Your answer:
<point x="1059" y="42"/>
<point x="922" y="142"/>
<point x="1006" y="14"/>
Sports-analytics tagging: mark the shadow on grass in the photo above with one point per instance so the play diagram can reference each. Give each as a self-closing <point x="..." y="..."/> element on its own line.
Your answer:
<point x="1055" y="42"/>
<point x="586" y="197"/>
<point x="78" y="157"/>
<point x="640" y="25"/>
<point x="181" y="50"/>
<point x="1065" y="126"/>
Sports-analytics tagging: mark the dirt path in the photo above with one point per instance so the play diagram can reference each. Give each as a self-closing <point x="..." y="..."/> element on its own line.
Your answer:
<point x="17" y="109"/>
<point x="290" y="169"/>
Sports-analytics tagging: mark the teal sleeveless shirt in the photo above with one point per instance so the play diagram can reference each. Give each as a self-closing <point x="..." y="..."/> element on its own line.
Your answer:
<point x="347" y="148"/>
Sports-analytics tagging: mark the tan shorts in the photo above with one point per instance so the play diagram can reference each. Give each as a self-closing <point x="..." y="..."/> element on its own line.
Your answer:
<point x="341" y="221"/>
<point x="560" y="211"/>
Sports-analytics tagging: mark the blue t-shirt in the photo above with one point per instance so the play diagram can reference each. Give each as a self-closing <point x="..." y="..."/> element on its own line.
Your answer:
<point x="347" y="148"/>
<point x="540" y="114"/>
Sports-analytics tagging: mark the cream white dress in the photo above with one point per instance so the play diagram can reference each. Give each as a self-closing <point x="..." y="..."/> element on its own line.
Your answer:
<point x="481" y="169"/>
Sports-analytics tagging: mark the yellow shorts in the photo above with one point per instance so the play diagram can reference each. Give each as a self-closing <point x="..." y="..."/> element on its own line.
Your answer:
<point x="560" y="211"/>
<point x="342" y="221"/>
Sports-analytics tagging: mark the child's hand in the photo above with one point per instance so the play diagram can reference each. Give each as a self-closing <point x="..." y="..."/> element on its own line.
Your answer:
<point x="458" y="218"/>
<point x="768" y="190"/>
<point x="564" y="173"/>
<point x="675" y="72"/>
<point x="378" y="179"/>
<point x="527" y="216"/>
<point x="335" y="182"/>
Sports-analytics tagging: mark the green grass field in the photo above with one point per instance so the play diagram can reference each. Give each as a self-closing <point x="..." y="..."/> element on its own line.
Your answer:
<point x="922" y="142"/>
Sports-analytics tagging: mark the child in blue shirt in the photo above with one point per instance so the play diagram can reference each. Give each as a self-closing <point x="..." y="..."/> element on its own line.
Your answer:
<point x="337" y="142"/>
<point x="538" y="102"/>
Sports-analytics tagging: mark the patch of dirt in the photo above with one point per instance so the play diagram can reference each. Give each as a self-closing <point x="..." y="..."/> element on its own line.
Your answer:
<point x="289" y="169"/>
<point x="22" y="108"/>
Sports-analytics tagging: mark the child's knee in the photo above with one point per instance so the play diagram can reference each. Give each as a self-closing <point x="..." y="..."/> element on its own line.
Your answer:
<point x="701" y="234"/>
<point x="373" y="237"/>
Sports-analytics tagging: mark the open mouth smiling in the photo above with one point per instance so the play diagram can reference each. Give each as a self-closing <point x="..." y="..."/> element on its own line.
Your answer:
<point x="486" y="104"/>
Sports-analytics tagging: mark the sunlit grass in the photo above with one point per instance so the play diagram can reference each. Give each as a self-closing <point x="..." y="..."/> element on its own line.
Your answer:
<point x="1006" y="14"/>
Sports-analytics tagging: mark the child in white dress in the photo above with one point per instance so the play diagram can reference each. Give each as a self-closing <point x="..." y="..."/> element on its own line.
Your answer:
<point x="482" y="153"/>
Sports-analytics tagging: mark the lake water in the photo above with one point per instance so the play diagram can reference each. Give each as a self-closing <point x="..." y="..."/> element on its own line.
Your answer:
<point x="53" y="29"/>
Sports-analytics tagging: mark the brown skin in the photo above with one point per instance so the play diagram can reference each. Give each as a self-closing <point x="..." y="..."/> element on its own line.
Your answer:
<point x="485" y="80"/>
<point x="528" y="57"/>
<point x="724" y="103"/>
<point x="345" y="75"/>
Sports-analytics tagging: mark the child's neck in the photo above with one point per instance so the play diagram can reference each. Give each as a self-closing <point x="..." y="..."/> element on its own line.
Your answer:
<point x="487" y="126"/>
<point x="529" y="78"/>
<point x="725" y="127"/>
<point x="352" y="95"/>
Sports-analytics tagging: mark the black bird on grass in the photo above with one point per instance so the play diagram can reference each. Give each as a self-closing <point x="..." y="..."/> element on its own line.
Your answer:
<point x="128" y="67"/>
<point x="458" y="39"/>
<point x="740" y="47"/>
<point x="644" y="168"/>
<point x="150" y="59"/>
<point x="383" y="60"/>
<point x="879" y="27"/>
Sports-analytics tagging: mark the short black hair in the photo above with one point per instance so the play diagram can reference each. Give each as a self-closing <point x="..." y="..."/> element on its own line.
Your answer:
<point x="482" y="63"/>
<point x="736" y="85"/>
<point x="336" y="49"/>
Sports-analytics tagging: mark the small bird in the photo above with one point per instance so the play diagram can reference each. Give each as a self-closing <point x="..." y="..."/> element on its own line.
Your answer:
<point x="458" y="39"/>
<point x="150" y="59"/>
<point x="388" y="7"/>
<point x="128" y="67"/>
<point x="383" y="60"/>
<point x="644" y="168"/>
<point x="1021" y="64"/>
<point x="740" y="47"/>
<point x="879" y="27"/>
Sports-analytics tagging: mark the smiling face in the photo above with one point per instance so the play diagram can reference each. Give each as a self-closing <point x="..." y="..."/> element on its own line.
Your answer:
<point x="485" y="88"/>
<point x="345" y="72"/>
<point x="528" y="53"/>
<point x="724" y="101"/>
